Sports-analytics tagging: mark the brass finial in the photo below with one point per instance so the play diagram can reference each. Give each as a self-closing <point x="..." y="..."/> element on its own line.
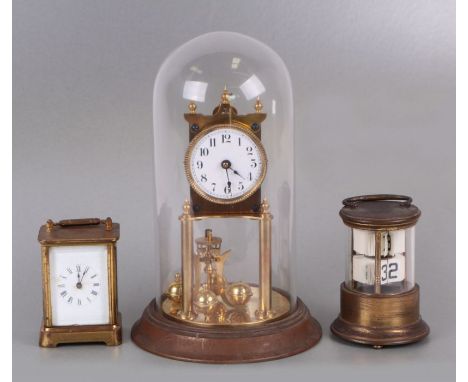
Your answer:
<point x="208" y="234"/>
<point x="258" y="105"/>
<point x="225" y="96"/>
<point x="192" y="106"/>
<point x="265" y="207"/>
<point x="49" y="225"/>
<point x="186" y="207"/>
<point x="108" y="223"/>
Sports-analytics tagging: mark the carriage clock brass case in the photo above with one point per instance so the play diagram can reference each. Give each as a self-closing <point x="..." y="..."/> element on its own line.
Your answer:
<point x="224" y="207"/>
<point x="379" y="298"/>
<point x="90" y="246"/>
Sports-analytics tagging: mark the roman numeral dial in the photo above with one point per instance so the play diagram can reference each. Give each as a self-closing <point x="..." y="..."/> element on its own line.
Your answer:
<point x="78" y="284"/>
<point x="225" y="164"/>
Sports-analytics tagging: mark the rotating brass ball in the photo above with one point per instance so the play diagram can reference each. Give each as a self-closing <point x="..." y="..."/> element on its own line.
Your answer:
<point x="238" y="293"/>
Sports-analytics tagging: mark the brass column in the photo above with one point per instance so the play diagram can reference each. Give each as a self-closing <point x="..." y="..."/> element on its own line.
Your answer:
<point x="186" y="227"/>
<point x="264" y="308"/>
<point x="378" y="267"/>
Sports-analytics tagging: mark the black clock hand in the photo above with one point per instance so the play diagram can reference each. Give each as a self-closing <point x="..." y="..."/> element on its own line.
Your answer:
<point x="228" y="182"/>
<point x="236" y="173"/>
<point x="83" y="275"/>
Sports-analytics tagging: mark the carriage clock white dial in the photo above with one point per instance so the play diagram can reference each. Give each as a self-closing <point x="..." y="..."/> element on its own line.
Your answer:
<point x="79" y="285"/>
<point x="225" y="164"/>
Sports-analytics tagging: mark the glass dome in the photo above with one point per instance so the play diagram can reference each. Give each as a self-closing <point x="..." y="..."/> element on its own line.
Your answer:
<point x="224" y="182"/>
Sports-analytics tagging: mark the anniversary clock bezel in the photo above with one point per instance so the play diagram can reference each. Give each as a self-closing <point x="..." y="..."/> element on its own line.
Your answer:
<point x="234" y="125"/>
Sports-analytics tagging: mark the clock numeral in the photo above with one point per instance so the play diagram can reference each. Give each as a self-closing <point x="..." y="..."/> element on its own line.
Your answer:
<point x="227" y="190"/>
<point x="64" y="293"/>
<point x="204" y="151"/>
<point x="213" y="142"/>
<point x="226" y="138"/>
<point x="240" y="141"/>
<point x="393" y="268"/>
<point x="203" y="178"/>
<point x="249" y="150"/>
<point x="240" y="186"/>
<point x="94" y="293"/>
<point x="69" y="270"/>
<point x="250" y="176"/>
<point x="254" y="163"/>
<point x="93" y="276"/>
<point x="70" y="300"/>
<point x="199" y="164"/>
<point x="96" y="284"/>
<point x="78" y="302"/>
<point x="78" y="268"/>
<point x="214" y="186"/>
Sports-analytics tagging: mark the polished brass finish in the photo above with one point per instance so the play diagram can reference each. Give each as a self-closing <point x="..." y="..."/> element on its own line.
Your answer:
<point x="80" y="232"/>
<point x="264" y="308"/>
<point x="238" y="294"/>
<point x="380" y="320"/>
<point x="192" y="106"/>
<point x="187" y="254"/>
<point x="258" y="105"/>
<point x="378" y="262"/>
<point x="205" y="299"/>
<point x="280" y="305"/>
<point x="111" y="335"/>
<point x="175" y="290"/>
<point x="234" y="125"/>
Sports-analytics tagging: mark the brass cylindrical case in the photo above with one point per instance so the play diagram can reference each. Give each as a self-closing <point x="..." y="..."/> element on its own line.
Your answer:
<point x="380" y="320"/>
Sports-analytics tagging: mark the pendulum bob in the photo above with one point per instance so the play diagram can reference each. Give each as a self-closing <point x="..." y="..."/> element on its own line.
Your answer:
<point x="204" y="300"/>
<point x="174" y="293"/>
<point x="216" y="314"/>
<point x="238" y="315"/>
<point x="238" y="294"/>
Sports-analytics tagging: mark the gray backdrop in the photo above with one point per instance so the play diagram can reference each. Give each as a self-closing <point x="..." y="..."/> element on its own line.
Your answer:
<point x="374" y="93"/>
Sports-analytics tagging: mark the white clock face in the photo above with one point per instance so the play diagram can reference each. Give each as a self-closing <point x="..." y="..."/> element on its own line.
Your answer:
<point x="226" y="164"/>
<point x="79" y="285"/>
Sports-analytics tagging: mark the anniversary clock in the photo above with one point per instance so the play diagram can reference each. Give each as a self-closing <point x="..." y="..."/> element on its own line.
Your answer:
<point x="223" y="143"/>
<point x="79" y="282"/>
<point x="379" y="298"/>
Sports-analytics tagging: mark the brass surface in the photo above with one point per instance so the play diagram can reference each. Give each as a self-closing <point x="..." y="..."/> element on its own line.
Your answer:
<point x="380" y="310"/>
<point x="186" y="226"/>
<point x="258" y="105"/>
<point x="234" y="125"/>
<point x="232" y="315"/>
<point x="264" y="306"/>
<point x="62" y="234"/>
<point x="110" y="334"/>
<point x="238" y="293"/>
<point x="380" y="320"/>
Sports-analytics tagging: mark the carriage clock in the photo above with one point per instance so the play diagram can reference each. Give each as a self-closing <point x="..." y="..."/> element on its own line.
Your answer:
<point x="379" y="298"/>
<point x="79" y="282"/>
<point x="223" y="141"/>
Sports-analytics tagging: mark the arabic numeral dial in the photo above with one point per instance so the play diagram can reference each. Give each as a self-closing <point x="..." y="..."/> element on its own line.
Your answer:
<point x="227" y="163"/>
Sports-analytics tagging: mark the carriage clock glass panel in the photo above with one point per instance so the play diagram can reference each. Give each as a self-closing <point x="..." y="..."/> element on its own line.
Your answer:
<point x="79" y="288"/>
<point x="223" y="117"/>
<point x="379" y="298"/>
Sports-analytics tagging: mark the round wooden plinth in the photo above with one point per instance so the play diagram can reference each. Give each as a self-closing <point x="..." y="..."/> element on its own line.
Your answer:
<point x="285" y="337"/>
<point x="380" y="320"/>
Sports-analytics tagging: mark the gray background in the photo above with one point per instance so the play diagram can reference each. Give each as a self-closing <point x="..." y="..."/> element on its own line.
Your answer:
<point x="374" y="104"/>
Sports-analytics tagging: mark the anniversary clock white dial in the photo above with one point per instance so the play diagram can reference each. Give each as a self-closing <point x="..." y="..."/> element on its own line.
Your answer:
<point x="225" y="164"/>
<point x="79" y="285"/>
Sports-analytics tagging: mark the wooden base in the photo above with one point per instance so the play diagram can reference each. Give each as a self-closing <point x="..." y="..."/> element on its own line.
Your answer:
<point x="380" y="320"/>
<point x="285" y="337"/>
<point x="111" y="335"/>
